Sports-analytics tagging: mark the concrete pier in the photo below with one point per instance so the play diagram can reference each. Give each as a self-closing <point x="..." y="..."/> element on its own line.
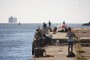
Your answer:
<point x="58" y="50"/>
<point x="56" y="53"/>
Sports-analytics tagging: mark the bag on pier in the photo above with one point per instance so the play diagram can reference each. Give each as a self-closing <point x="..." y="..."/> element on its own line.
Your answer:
<point x="71" y="54"/>
<point x="39" y="52"/>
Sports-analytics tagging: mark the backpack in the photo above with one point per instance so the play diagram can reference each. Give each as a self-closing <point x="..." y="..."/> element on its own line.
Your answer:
<point x="71" y="54"/>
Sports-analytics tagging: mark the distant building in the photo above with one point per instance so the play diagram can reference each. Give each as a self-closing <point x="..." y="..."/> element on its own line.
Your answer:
<point x="12" y="20"/>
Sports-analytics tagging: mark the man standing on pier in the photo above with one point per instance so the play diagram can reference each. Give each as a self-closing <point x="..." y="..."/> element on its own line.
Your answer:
<point x="49" y="24"/>
<point x="70" y="41"/>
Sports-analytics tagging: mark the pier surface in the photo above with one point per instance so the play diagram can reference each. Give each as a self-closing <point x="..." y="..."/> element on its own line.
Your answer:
<point x="59" y="52"/>
<point x="56" y="53"/>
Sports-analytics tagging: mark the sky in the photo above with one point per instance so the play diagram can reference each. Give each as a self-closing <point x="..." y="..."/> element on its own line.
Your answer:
<point x="39" y="11"/>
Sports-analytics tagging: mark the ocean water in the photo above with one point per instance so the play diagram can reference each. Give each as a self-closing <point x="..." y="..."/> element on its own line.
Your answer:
<point x="16" y="40"/>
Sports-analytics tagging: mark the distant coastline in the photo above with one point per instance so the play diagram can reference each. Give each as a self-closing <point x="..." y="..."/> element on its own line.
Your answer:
<point x="86" y="24"/>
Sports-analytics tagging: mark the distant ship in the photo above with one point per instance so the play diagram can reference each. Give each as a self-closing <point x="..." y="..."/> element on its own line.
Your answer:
<point x="12" y="20"/>
<point x="86" y="24"/>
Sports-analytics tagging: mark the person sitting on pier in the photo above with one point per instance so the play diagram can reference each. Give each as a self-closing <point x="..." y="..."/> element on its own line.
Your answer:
<point x="63" y="27"/>
<point x="70" y="41"/>
<point x="44" y="25"/>
<point x="54" y="30"/>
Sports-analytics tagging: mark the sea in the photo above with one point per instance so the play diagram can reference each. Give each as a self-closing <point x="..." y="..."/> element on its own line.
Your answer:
<point x="16" y="40"/>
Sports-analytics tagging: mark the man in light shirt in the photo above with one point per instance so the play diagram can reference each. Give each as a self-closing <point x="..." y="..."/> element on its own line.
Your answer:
<point x="63" y="27"/>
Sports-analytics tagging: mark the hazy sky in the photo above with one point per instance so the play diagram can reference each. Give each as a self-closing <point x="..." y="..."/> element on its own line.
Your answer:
<point x="39" y="11"/>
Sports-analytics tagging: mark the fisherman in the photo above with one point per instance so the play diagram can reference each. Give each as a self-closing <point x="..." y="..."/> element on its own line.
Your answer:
<point x="49" y="24"/>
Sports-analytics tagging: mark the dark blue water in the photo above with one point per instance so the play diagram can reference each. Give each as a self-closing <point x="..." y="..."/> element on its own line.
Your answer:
<point x="16" y="40"/>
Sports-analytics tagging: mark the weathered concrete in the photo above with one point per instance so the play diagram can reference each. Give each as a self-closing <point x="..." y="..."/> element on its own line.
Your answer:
<point x="82" y="34"/>
<point x="87" y="52"/>
<point x="58" y="53"/>
<point x="58" y="35"/>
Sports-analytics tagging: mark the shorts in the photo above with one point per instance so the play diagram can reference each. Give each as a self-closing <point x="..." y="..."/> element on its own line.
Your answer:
<point x="70" y="43"/>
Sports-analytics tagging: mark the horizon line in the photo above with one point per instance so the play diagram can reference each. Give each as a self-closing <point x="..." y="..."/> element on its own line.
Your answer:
<point x="40" y="23"/>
